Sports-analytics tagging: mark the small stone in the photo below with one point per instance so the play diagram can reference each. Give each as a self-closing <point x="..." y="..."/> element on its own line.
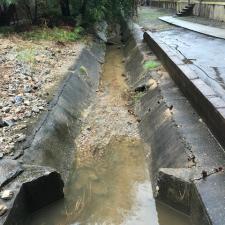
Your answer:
<point x="18" y="100"/>
<point x="3" y="210"/>
<point x="6" y="109"/>
<point x="1" y="155"/>
<point x="10" y="122"/>
<point x="46" y="72"/>
<point x="27" y="89"/>
<point x="27" y="103"/>
<point x="28" y="114"/>
<point x="35" y="109"/>
<point x="6" y="194"/>
<point x="2" y="123"/>
<point x="21" y="138"/>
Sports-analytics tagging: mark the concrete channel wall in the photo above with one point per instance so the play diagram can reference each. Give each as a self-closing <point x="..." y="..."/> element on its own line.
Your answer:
<point x="37" y="179"/>
<point x="52" y="142"/>
<point x="182" y="147"/>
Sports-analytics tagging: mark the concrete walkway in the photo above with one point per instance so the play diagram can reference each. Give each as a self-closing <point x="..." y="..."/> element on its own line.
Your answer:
<point x="203" y="29"/>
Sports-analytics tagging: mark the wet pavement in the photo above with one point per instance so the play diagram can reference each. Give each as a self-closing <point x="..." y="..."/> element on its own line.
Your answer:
<point x="200" y="28"/>
<point x="204" y="53"/>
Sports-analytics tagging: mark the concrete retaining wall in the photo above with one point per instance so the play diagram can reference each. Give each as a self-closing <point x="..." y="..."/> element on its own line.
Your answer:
<point x="165" y="4"/>
<point x="213" y="10"/>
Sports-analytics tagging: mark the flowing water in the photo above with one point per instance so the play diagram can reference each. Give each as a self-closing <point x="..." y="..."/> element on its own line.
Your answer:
<point x="110" y="184"/>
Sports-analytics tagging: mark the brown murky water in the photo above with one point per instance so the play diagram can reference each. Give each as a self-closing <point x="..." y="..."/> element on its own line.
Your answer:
<point x="110" y="184"/>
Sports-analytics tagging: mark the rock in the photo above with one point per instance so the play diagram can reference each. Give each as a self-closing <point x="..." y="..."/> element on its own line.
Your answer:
<point x="3" y="210"/>
<point x="6" y="109"/>
<point x="35" y="109"/>
<point x="27" y="89"/>
<point x="21" y="138"/>
<point x="18" y="110"/>
<point x="10" y="56"/>
<point x="1" y="155"/>
<point x="27" y="103"/>
<point x="18" y="100"/>
<point x="6" y="194"/>
<point x="9" y="122"/>
<point x="46" y="72"/>
<point x="12" y="88"/>
<point x="28" y="114"/>
<point x="2" y="123"/>
<point x="41" y="108"/>
<point x="101" y="30"/>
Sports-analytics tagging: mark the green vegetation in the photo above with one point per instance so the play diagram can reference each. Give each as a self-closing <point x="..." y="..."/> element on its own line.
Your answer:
<point x="148" y="18"/>
<point x="55" y="34"/>
<point x="137" y="97"/>
<point x="26" y="55"/>
<point x="83" y="70"/>
<point x="37" y="11"/>
<point x="44" y="33"/>
<point x="150" y="64"/>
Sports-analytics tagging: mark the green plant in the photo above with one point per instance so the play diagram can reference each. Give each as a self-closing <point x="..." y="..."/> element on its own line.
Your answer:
<point x="83" y="70"/>
<point x="26" y="55"/>
<point x="150" y="64"/>
<point x="138" y="96"/>
<point x="55" y="34"/>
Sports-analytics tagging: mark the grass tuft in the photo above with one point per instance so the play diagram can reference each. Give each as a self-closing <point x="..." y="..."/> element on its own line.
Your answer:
<point x="26" y="55"/>
<point x="55" y="34"/>
<point x="44" y="33"/>
<point x="148" y="65"/>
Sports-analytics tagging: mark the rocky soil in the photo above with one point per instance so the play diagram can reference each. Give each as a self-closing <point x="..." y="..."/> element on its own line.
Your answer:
<point x="30" y="72"/>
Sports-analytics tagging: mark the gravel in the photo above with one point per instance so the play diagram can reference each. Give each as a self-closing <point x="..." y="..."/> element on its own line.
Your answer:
<point x="29" y="72"/>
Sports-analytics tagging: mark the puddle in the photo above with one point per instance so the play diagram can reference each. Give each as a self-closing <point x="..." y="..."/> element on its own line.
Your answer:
<point x="110" y="184"/>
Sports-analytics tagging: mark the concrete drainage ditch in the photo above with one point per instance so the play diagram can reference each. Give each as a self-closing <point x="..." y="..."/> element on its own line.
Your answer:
<point x="126" y="138"/>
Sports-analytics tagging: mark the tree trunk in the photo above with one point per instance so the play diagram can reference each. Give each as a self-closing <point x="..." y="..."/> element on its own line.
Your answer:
<point x="83" y="9"/>
<point x="65" y="7"/>
<point x="4" y="15"/>
<point x="35" y="19"/>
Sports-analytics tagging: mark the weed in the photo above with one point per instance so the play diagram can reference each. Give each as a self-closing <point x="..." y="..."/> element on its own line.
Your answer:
<point x="45" y="33"/>
<point x="83" y="70"/>
<point x="138" y="96"/>
<point x="148" y="65"/>
<point x="6" y="30"/>
<point x="55" y="34"/>
<point x="26" y="55"/>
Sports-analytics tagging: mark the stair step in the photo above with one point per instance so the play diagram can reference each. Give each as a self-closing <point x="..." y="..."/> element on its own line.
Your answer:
<point x="186" y="11"/>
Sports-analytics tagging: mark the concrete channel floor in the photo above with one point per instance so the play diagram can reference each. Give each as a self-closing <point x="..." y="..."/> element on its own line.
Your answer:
<point x="204" y="52"/>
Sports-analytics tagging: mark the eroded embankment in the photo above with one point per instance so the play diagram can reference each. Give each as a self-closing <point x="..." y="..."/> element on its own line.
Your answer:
<point x="178" y="138"/>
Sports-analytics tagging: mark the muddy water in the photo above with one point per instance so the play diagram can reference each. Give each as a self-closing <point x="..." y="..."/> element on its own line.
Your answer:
<point x="110" y="184"/>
